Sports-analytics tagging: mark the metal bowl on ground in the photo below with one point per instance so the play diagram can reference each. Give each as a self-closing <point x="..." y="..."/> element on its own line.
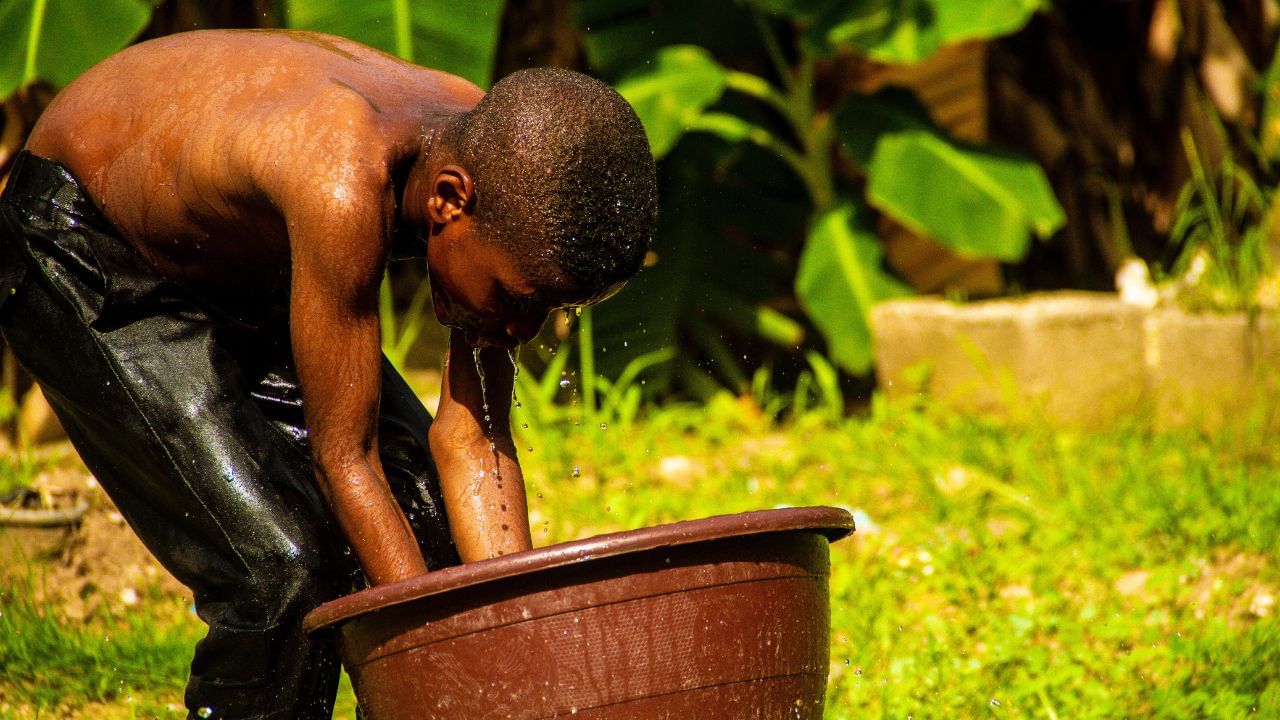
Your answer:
<point x="722" y="618"/>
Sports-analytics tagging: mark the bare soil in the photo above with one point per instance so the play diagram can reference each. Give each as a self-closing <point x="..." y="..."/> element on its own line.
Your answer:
<point x="98" y="562"/>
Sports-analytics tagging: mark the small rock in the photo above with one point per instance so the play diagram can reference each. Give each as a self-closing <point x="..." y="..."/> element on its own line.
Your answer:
<point x="1132" y="582"/>
<point x="1263" y="603"/>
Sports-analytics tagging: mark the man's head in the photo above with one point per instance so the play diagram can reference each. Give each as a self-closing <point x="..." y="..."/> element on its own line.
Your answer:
<point x="553" y="192"/>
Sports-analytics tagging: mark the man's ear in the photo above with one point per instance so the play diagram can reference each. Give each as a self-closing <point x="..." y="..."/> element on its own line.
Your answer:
<point x="452" y="194"/>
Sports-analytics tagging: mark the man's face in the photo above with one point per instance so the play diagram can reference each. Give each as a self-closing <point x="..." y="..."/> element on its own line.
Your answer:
<point x="479" y="290"/>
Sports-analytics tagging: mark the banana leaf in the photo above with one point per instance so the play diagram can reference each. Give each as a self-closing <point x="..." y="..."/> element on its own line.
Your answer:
<point x="459" y="38"/>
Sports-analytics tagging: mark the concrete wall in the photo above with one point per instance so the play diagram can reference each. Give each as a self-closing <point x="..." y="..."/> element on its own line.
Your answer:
<point x="1078" y="357"/>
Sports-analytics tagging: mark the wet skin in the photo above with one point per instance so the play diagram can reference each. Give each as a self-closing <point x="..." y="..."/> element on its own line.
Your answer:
<point x="241" y="160"/>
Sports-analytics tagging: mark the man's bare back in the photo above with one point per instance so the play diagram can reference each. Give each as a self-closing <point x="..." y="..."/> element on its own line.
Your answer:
<point x="201" y="147"/>
<point x="242" y="160"/>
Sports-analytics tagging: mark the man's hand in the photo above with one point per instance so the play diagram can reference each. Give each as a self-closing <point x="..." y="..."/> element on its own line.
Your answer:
<point x="479" y="474"/>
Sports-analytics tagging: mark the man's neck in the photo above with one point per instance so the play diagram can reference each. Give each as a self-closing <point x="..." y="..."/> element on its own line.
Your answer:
<point x="416" y="188"/>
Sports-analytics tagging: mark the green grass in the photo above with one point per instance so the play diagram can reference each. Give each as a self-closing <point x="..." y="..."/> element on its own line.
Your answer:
<point x="1007" y="571"/>
<point x="50" y="665"/>
<point x="1012" y="570"/>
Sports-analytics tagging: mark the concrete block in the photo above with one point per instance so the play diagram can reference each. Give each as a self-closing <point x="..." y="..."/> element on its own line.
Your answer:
<point x="1081" y="357"/>
<point x="1077" y="357"/>
<point x="1206" y="369"/>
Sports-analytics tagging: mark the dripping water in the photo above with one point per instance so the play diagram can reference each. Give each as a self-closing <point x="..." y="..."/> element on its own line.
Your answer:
<point x="484" y="393"/>
<point x="514" y="355"/>
<point x="488" y="419"/>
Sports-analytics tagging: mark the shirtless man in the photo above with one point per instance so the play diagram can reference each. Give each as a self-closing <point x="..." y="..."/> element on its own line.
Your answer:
<point x="190" y="254"/>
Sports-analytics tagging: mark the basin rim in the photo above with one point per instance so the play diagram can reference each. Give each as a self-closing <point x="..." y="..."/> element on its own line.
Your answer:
<point x="833" y="523"/>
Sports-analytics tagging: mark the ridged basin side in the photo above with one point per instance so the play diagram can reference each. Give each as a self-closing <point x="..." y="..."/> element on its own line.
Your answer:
<point x="733" y="626"/>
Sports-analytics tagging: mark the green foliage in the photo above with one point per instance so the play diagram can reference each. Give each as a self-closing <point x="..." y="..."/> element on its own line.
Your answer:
<point x="902" y="31"/>
<point x="1222" y="223"/>
<point x="460" y="38"/>
<point x="18" y="468"/>
<point x="56" y="40"/>
<point x="1059" y="573"/>
<point x="1269" y="124"/>
<point x="8" y="405"/>
<point x="689" y="300"/>
<point x="398" y="337"/>
<point x="50" y="664"/>
<point x="975" y="200"/>
<point x="670" y="95"/>
<point x="595" y="404"/>
<point x="840" y="278"/>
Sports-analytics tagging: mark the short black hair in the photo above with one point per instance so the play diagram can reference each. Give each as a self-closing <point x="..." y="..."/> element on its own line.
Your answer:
<point x="564" y="177"/>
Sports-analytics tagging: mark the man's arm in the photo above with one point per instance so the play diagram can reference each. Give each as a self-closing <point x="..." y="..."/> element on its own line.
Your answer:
<point x="338" y="261"/>
<point x="483" y="487"/>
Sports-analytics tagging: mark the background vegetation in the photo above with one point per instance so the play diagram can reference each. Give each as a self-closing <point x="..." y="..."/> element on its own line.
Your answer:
<point x="1002" y="569"/>
<point x="793" y="141"/>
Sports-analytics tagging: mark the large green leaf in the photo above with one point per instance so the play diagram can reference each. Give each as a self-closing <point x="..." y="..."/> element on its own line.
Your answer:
<point x="903" y="31"/>
<point x="977" y="201"/>
<point x="56" y="40"/>
<point x="459" y="38"/>
<point x="840" y="278"/>
<point x="671" y="92"/>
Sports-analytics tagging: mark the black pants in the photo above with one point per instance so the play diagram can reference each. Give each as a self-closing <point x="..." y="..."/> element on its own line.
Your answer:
<point x="188" y="413"/>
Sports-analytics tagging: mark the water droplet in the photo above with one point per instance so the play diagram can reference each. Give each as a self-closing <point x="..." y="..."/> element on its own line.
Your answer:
<point x="604" y="426"/>
<point x="564" y="382"/>
<point x="857" y="671"/>
<point x="995" y="702"/>
<point x="577" y="472"/>
<point x="524" y="425"/>
<point x="484" y="393"/>
<point x="205" y="712"/>
<point x="515" y="374"/>
<point x="578" y="311"/>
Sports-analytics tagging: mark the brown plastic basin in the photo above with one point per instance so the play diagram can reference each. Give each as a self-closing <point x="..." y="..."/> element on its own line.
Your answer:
<point x="726" y="617"/>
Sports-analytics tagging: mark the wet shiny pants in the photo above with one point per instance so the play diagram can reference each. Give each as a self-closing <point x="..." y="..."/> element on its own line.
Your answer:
<point x="188" y="414"/>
